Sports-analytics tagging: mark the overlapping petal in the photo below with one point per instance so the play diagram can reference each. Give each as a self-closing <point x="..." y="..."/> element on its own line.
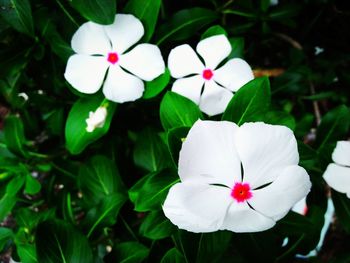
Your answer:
<point x="212" y="162"/>
<point x="341" y="153"/>
<point x="189" y="87"/>
<point x="126" y="31"/>
<point x="121" y="86"/>
<point x="265" y="150"/>
<point x="86" y="73"/>
<point x="197" y="207"/>
<point x="338" y="177"/>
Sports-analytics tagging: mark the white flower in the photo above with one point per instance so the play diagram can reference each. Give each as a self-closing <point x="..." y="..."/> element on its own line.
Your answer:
<point x="241" y="179"/>
<point x="337" y="174"/>
<point x="96" y="119"/>
<point x="191" y="74"/>
<point x="102" y="49"/>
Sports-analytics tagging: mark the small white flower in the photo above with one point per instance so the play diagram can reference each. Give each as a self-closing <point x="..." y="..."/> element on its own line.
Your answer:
<point x="241" y="179"/>
<point x="102" y="49"/>
<point x="96" y="119"/>
<point x="185" y="65"/>
<point x="337" y="174"/>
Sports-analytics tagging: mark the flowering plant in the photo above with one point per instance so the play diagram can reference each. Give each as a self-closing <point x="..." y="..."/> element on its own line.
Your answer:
<point x="174" y="131"/>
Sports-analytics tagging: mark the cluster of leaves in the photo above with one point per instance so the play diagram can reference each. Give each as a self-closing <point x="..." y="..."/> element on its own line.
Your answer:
<point x="71" y="196"/>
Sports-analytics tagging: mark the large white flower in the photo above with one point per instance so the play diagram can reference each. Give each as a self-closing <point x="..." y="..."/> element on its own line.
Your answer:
<point x="337" y="174"/>
<point x="103" y="48"/>
<point x="185" y="65"/>
<point x="241" y="179"/>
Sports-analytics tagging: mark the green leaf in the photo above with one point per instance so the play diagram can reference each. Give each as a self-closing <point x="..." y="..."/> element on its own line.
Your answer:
<point x="150" y="152"/>
<point x="77" y="138"/>
<point x="342" y="209"/>
<point x="147" y="11"/>
<point x="27" y="253"/>
<point x="9" y="199"/>
<point x="6" y="235"/>
<point x="173" y="256"/>
<point x="334" y="125"/>
<point x="279" y="118"/>
<point x="249" y="102"/>
<point x="303" y="126"/>
<point x="101" y="12"/>
<point x="213" y="31"/>
<point x="18" y="14"/>
<point x="99" y="178"/>
<point x="178" y="111"/>
<point x="156" y="226"/>
<point x="156" y="86"/>
<point x="175" y="138"/>
<point x="105" y="213"/>
<point x="32" y="185"/>
<point x="58" y="241"/>
<point x="212" y="246"/>
<point x="237" y="44"/>
<point x="150" y="191"/>
<point x="130" y="252"/>
<point x="14" y="135"/>
<point x="295" y="224"/>
<point x="185" y="23"/>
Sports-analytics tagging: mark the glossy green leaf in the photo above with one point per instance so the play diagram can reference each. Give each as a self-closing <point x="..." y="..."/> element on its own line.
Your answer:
<point x="130" y="252"/>
<point x="237" y="44"/>
<point x="32" y="185"/>
<point x="156" y="86"/>
<point x="150" y="191"/>
<point x="212" y="246"/>
<point x="156" y="226"/>
<point x="342" y="209"/>
<point x="8" y="200"/>
<point x="100" y="12"/>
<point x="173" y="256"/>
<point x="213" y="31"/>
<point x="77" y="138"/>
<point x="150" y="152"/>
<point x="175" y="137"/>
<point x="185" y="23"/>
<point x="14" y="135"/>
<point x="27" y="253"/>
<point x="147" y="11"/>
<point x="105" y="213"/>
<point x="279" y="118"/>
<point x="65" y="243"/>
<point x="250" y="102"/>
<point x="18" y="14"/>
<point x="178" y="111"/>
<point x="99" y="178"/>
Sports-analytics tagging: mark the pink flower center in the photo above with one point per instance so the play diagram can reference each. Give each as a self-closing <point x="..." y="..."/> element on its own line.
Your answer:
<point x="241" y="192"/>
<point x="207" y="74"/>
<point x="113" y="57"/>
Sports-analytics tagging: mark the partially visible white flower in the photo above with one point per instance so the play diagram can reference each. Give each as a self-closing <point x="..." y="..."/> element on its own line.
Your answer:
<point x="300" y="207"/>
<point x="337" y="174"/>
<point x="103" y="52"/>
<point x="219" y="83"/>
<point x="241" y="179"/>
<point x="96" y="119"/>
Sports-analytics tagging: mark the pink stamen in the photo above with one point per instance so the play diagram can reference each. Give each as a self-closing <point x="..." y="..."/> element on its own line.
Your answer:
<point x="241" y="192"/>
<point x="207" y="74"/>
<point x="112" y="57"/>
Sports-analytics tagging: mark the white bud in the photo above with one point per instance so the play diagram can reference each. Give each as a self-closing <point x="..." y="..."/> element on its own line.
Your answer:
<point x="96" y="119"/>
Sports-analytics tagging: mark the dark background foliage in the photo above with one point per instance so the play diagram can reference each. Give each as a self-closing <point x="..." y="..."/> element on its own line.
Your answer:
<point x="67" y="197"/>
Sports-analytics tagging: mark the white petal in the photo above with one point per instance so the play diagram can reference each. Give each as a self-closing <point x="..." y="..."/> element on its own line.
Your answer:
<point x="338" y="177"/>
<point x="214" y="99"/>
<point x="208" y="154"/>
<point x="341" y="153"/>
<point x="276" y="199"/>
<point x="86" y="73"/>
<point x="189" y="87"/>
<point x="124" y="32"/>
<point x="183" y="61"/>
<point x="241" y="218"/>
<point x="234" y="74"/>
<point x="144" y="61"/>
<point x="121" y="86"/>
<point x="265" y="150"/>
<point x="214" y="50"/>
<point x="91" y="39"/>
<point x="197" y="208"/>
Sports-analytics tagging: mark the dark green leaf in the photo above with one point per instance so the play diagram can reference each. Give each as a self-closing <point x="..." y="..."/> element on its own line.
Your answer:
<point x="249" y="102"/>
<point x="77" y="138"/>
<point x="14" y="135"/>
<point x="185" y="23"/>
<point x="8" y="200"/>
<point x="57" y="241"/>
<point x="101" y="12"/>
<point x="279" y="118"/>
<point x="156" y="86"/>
<point x="147" y="11"/>
<point x="304" y="125"/>
<point x="175" y="138"/>
<point x="156" y="226"/>
<point x="173" y="256"/>
<point x="27" y="253"/>
<point x="213" y="31"/>
<point x="6" y="235"/>
<point x="295" y="224"/>
<point x="177" y="111"/>
<point x="342" y="209"/>
<point x="150" y="191"/>
<point x="130" y="252"/>
<point x="237" y="44"/>
<point x="212" y="246"/>
<point x="98" y="178"/>
<point x="18" y="14"/>
<point x="32" y="185"/>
